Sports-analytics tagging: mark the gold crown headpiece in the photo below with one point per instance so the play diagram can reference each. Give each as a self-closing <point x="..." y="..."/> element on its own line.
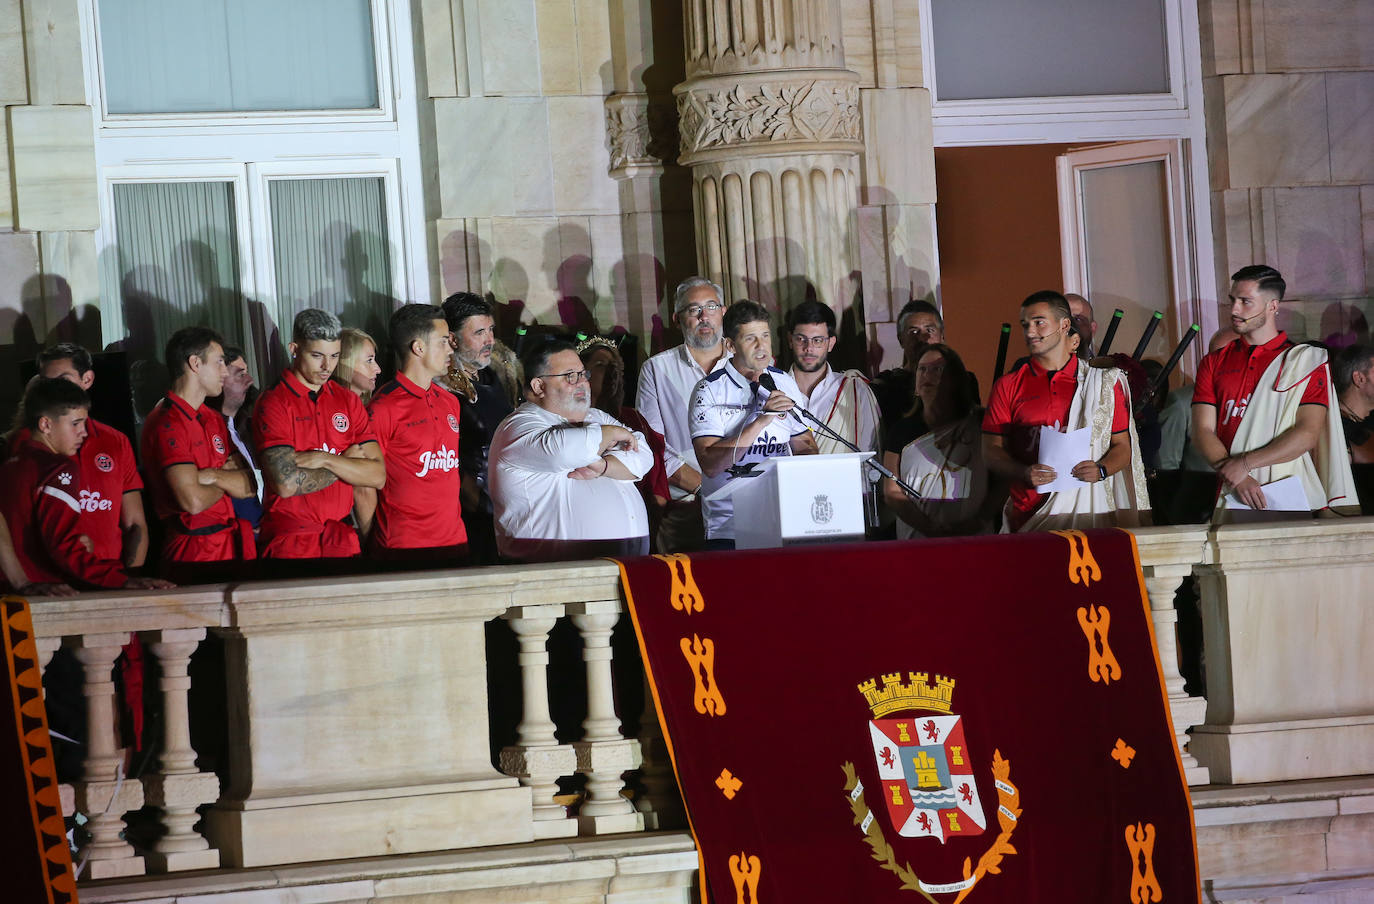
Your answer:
<point x="895" y="696"/>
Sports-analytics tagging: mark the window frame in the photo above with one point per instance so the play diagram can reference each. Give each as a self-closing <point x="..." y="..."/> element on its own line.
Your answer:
<point x="383" y="27"/>
<point x="181" y="147"/>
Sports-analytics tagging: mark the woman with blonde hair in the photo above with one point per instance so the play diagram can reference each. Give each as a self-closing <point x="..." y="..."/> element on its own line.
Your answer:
<point x="358" y="368"/>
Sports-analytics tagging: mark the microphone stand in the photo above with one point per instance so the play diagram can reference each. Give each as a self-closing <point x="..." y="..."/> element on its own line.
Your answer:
<point x="875" y="465"/>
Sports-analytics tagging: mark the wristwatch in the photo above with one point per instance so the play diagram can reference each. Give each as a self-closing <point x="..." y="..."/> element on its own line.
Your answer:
<point x="1101" y="471"/>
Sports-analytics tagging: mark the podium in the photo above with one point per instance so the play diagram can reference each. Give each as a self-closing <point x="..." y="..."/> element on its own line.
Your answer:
<point x="795" y="499"/>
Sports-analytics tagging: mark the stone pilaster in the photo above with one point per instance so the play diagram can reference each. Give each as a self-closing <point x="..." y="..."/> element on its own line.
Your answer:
<point x="770" y="126"/>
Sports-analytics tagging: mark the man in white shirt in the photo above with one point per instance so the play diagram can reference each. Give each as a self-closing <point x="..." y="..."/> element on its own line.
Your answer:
<point x="665" y="386"/>
<point x="736" y="422"/>
<point x="843" y="401"/>
<point x="562" y="473"/>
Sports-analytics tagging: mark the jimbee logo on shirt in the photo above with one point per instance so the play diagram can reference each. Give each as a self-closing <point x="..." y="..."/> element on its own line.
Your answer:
<point x="104" y="463"/>
<point x="441" y="459"/>
<point x="453" y="423"/>
<point x="91" y="502"/>
<point x="768" y="447"/>
<point x="341" y="422"/>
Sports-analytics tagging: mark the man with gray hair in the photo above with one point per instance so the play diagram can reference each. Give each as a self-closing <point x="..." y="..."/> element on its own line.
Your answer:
<point x="315" y="444"/>
<point x="665" y="387"/>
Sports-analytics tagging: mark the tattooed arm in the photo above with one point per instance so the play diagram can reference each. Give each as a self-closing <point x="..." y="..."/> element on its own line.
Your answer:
<point x="282" y="473"/>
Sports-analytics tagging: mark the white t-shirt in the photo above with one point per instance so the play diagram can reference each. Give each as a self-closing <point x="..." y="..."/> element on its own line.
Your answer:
<point x="722" y="404"/>
<point x="666" y="382"/>
<point x="532" y="453"/>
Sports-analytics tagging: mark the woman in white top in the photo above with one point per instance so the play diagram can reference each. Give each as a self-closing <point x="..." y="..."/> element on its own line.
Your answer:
<point x="944" y="465"/>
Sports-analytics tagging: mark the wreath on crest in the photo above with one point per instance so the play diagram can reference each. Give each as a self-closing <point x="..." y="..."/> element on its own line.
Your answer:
<point x="1008" y="814"/>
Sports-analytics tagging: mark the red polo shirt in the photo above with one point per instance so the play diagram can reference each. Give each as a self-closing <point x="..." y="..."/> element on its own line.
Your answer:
<point x="329" y="419"/>
<point x="177" y="434"/>
<point x="108" y="471"/>
<point x="1027" y="399"/>
<point x="1228" y="376"/>
<point x="43" y="508"/>
<point x="418" y="429"/>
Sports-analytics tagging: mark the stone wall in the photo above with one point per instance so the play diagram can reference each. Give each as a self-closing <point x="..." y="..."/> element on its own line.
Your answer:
<point x="1289" y="85"/>
<point x="48" y="202"/>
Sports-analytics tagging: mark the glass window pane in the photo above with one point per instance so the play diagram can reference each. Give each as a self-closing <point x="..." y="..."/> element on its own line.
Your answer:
<point x="988" y="49"/>
<point x="216" y="56"/>
<point x="178" y="266"/>
<point x="1129" y="251"/>
<point x="330" y="250"/>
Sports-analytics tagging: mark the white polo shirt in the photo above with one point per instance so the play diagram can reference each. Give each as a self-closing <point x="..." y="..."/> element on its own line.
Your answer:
<point x="722" y="404"/>
<point x="857" y="423"/>
<point x="533" y="452"/>
<point x="666" y="382"/>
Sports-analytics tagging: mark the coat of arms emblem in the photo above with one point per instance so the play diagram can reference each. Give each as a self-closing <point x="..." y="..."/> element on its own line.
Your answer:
<point x="927" y="779"/>
<point x="822" y="509"/>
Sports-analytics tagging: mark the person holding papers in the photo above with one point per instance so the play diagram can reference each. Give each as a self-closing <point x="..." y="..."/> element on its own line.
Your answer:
<point x="1265" y="413"/>
<point x="1055" y="392"/>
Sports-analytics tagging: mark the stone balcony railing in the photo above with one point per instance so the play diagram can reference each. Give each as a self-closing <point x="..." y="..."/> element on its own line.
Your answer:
<point x="358" y="718"/>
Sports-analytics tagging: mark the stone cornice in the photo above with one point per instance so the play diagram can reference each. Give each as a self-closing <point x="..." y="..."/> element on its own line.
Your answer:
<point x="765" y="114"/>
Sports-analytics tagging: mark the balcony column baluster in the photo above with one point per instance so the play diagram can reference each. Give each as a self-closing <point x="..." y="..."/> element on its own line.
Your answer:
<point x="537" y="759"/>
<point x="102" y="794"/>
<point x="179" y="788"/>
<point x="603" y="755"/>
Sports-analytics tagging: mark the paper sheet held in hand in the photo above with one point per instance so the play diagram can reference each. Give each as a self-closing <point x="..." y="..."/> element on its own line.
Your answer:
<point x="1062" y="451"/>
<point x="1286" y="495"/>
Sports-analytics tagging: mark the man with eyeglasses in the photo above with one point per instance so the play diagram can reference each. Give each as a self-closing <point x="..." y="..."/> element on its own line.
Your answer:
<point x="665" y="387"/>
<point x="919" y="324"/>
<point x="843" y="400"/>
<point x="562" y="472"/>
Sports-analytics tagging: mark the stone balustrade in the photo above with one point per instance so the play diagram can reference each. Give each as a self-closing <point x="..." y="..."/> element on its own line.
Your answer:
<point x="358" y="707"/>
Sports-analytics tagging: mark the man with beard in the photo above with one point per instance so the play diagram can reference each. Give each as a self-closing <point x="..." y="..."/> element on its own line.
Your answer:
<point x="842" y="400"/>
<point x="1264" y="408"/>
<point x="315" y="444"/>
<point x="472" y="333"/>
<point x="736" y="422"/>
<point x="562" y="472"/>
<point x="665" y="386"/>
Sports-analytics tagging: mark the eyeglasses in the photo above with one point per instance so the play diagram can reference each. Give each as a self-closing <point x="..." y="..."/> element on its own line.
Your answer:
<point x="813" y="341"/>
<point x="697" y="310"/>
<point x="572" y="376"/>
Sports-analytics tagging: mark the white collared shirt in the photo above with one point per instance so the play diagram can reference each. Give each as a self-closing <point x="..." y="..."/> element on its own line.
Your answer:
<point x="722" y="404"/>
<point x="666" y="382"/>
<point x="860" y="426"/>
<point x="532" y="453"/>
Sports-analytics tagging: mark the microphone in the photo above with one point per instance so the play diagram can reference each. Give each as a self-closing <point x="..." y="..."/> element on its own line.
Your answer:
<point x="767" y="382"/>
<point x="1254" y="317"/>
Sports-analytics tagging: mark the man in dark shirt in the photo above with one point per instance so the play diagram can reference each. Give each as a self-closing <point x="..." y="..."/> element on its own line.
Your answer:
<point x="484" y="405"/>
<point x="1352" y="370"/>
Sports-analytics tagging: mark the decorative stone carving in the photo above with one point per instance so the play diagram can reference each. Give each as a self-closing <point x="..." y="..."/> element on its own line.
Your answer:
<point x="641" y="133"/>
<point x="822" y="112"/>
<point x="722" y="36"/>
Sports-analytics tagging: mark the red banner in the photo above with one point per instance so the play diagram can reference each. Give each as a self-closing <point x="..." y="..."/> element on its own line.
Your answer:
<point x="939" y="721"/>
<point x="38" y="863"/>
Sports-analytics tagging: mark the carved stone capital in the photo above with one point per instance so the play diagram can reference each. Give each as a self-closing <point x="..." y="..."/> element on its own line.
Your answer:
<point x="641" y="133"/>
<point x="813" y="112"/>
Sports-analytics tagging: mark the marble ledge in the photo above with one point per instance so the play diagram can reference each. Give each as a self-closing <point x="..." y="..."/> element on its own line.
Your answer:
<point x="1183" y="544"/>
<point x="1281" y="545"/>
<point x="363" y="879"/>
<point x="130" y="610"/>
<point x="1354" y="794"/>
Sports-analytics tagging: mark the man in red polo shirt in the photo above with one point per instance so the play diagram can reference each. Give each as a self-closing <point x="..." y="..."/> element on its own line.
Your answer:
<point x="192" y="476"/>
<point x="416" y="420"/>
<point x="315" y="444"/>
<point x="1042" y="393"/>
<point x="111" y="498"/>
<point x="54" y="533"/>
<point x="1263" y="407"/>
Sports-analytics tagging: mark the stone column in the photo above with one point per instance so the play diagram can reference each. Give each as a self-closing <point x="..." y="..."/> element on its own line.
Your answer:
<point x="769" y="122"/>
<point x="179" y="788"/>
<point x="537" y="759"/>
<point x="603" y="755"/>
<point x="1167" y="556"/>
<point x="103" y="794"/>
